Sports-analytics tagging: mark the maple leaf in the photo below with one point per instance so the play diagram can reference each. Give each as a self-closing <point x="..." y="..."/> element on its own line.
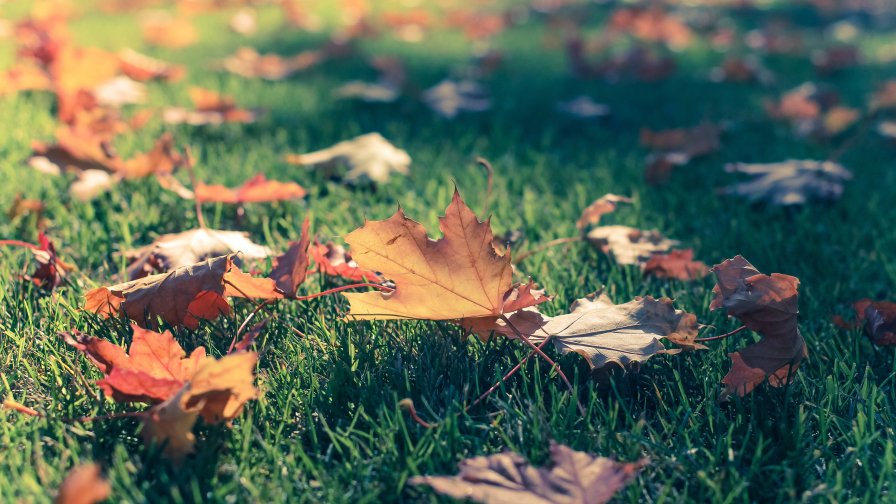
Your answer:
<point x="246" y="62"/>
<point x="161" y="29"/>
<point x="791" y="182"/>
<point x="629" y="245"/>
<point x="575" y="478"/>
<point x="183" y="296"/>
<point x="449" y="98"/>
<point x="51" y="270"/>
<point x="385" y="90"/>
<point x="767" y="304"/>
<point x="834" y="59"/>
<point x="878" y="319"/>
<point x="653" y="25"/>
<point x="603" y="333"/>
<point x="735" y="69"/>
<point x="84" y="484"/>
<point x="153" y="370"/>
<point x="677" y="147"/>
<point x="156" y="370"/>
<point x="291" y="267"/>
<point x="592" y="214"/>
<point x="368" y="157"/>
<point x="211" y="108"/>
<point x="678" y="264"/>
<point x="244" y="22"/>
<point x="141" y="67"/>
<point x="458" y="276"/>
<point x="335" y="260"/>
<point x="177" y="250"/>
<point x="257" y="189"/>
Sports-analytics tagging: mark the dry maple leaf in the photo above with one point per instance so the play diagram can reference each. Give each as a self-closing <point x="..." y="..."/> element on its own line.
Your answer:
<point x="368" y="157"/>
<point x="51" y="270"/>
<point x="652" y="25"/>
<point x="458" y="276"/>
<point x="183" y="296"/>
<point x="504" y="478"/>
<point x="335" y="260"/>
<point x="678" y="264"/>
<point x="607" y="203"/>
<point x="768" y="305"/>
<point x="84" y="484"/>
<point x="834" y="59"/>
<point x="156" y="370"/>
<point x="177" y="250"/>
<point x="257" y="189"/>
<point x="791" y="182"/>
<point x="677" y="147"/>
<point x="603" y="333"/>
<point x="386" y="89"/>
<point x="629" y="245"/>
<point x="878" y="319"/>
<point x="246" y="62"/>
<point x="144" y="68"/>
<point x="735" y="69"/>
<point x="211" y="108"/>
<point x="291" y="267"/>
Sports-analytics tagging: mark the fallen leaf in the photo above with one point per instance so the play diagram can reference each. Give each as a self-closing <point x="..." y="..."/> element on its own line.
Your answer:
<point x="178" y="250"/>
<point x="629" y="245"/>
<point x="211" y="108"/>
<point x="141" y="67"/>
<point x="449" y="97"/>
<point x="574" y="478"/>
<point x="335" y="260"/>
<point x="603" y="333"/>
<point x="244" y="22"/>
<point x="878" y="318"/>
<point x="456" y="277"/>
<point x="768" y="305"/>
<point x="258" y="189"/>
<point x="791" y="182"/>
<point x="51" y="270"/>
<point x="291" y="267"/>
<point x="592" y="214"/>
<point x="183" y="296"/>
<point x="91" y="183"/>
<point x="584" y="107"/>
<point x="745" y="69"/>
<point x="368" y="157"/>
<point x="677" y="264"/>
<point x="119" y="91"/>
<point x="653" y="25"/>
<point x="84" y="484"/>
<point x="162" y="29"/>
<point x="171" y="424"/>
<point x="247" y="62"/>
<point x="386" y="89"/>
<point x="835" y="59"/>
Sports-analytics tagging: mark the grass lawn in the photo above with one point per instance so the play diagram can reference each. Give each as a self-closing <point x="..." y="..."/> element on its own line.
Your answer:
<point x="329" y="427"/>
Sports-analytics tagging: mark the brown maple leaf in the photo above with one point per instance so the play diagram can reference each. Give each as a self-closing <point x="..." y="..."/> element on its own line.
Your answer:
<point x="183" y="296"/>
<point x="574" y="478"/>
<point x="141" y="67"/>
<point x="456" y="277"/>
<point x="678" y="264"/>
<point x="291" y="267"/>
<point x="258" y="189"/>
<point x="767" y="304"/>
<point x="629" y="245"/>
<point x="84" y="484"/>
<point x="878" y="318"/>
<point x="247" y="62"/>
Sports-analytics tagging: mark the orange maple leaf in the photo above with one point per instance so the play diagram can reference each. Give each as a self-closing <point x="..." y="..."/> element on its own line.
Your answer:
<point x="459" y="276"/>
<point x="257" y="189"/>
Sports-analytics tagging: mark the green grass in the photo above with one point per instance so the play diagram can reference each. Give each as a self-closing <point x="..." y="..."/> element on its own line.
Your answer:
<point x="328" y="426"/>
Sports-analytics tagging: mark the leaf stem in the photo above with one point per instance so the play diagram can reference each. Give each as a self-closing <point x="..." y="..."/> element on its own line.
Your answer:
<point x="506" y="376"/>
<point x="544" y="246"/>
<point x="544" y="356"/>
<point x="340" y="289"/>
<point x="19" y="243"/>
<point x="722" y="336"/>
<point x="188" y="154"/>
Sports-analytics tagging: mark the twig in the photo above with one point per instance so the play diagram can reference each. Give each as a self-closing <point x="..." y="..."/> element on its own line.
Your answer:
<point x="19" y="243"/>
<point x="544" y="246"/>
<point x="722" y="336"/>
<point x="506" y="376"/>
<point x="544" y="356"/>
<point x="408" y="405"/>
<point x="488" y="191"/>
<point x="242" y="327"/>
<point x="188" y="164"/>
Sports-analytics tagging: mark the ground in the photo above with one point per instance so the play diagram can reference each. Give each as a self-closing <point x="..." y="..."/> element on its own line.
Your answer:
<point x="328" y="427"/>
